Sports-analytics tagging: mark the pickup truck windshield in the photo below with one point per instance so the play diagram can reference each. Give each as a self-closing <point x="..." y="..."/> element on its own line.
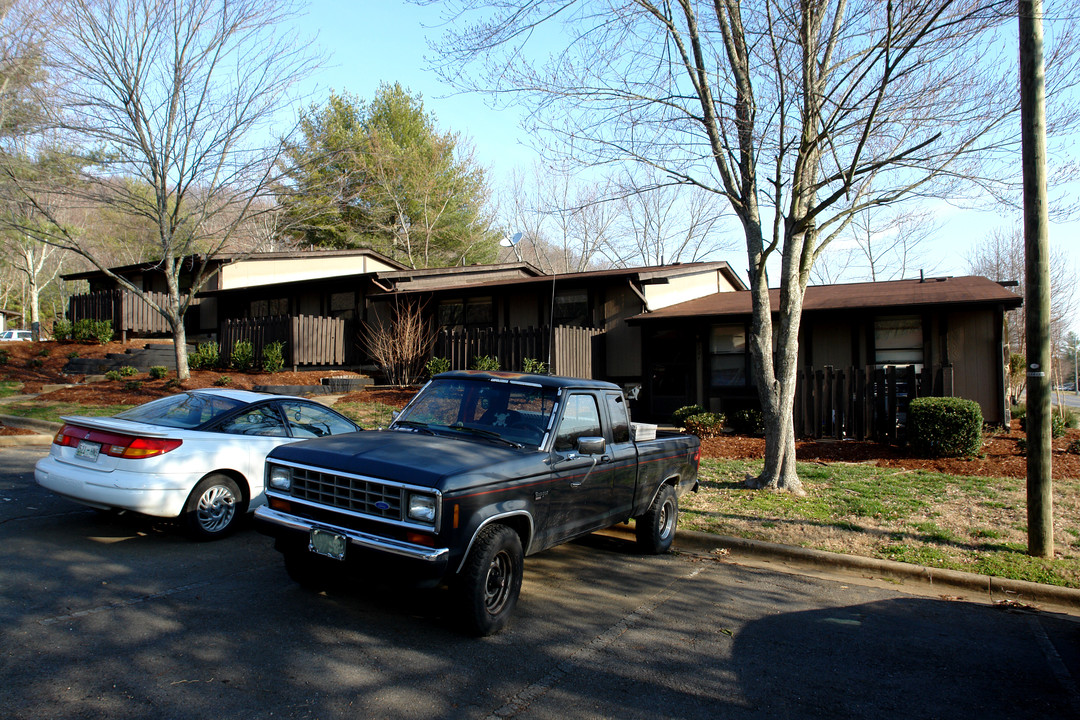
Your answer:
<point x="515" y="412"/>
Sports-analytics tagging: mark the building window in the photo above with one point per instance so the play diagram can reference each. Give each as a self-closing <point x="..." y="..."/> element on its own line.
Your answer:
<point x="572" y="309"/>
<point x="343" y="305"/>
<point x="898" y="340"/>
<point x="466" y="314"/>
<point x="269" y="308"/>
<point x="727" y="356"/>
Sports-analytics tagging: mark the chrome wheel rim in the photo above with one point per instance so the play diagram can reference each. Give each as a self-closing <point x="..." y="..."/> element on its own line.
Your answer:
<point x="666" y="521"/>
<point x="216" y="509"/>
<point x="497" y="584"/>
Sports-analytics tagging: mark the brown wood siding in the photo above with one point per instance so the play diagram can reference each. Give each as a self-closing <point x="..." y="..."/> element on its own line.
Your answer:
<point x="974" y="351"/>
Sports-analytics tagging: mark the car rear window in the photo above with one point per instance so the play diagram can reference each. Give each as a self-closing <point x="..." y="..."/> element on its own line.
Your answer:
<point x="182" y="411"/>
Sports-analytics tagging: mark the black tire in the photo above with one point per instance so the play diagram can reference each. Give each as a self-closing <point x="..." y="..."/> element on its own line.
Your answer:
<point x="488" y="585"/>
<point x="214" y="508"/>
<point x="655" y="530"/>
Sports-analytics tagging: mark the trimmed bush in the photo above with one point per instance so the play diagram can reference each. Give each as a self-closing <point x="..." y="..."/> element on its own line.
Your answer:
<point x="1074" y="447"/>
<point x="747" y="422"/>
<point x="243" y="356"/>
<point x="223" y="381"/>
<point x="273" y="359"/>
<point x="945" y="427"/>
<point x="679" y="416"/>
<point x="4" y="357"/>
<point x="157" y="372"/>
<point x="113" y="375"/>
<point x="206" y="356"/>
<point x="486" y="363"/>
<point x="437" y="365"/>
<point x="705" y="425"/>
<point x="128" y="371"/>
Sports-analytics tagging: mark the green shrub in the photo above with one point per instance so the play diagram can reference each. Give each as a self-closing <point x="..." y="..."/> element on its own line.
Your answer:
<point x="1074" y="447"/>
<point x="88" y="330"/>
<point x="1018" y="412"/>
<point x="705" y="425"/>
<point x="206" y="356"/>
<point x="133" y="384"/>
<point x="534" y="366"/>
<point x="747" y="422"/>
<point x="1021" y="445"/>
<point x="1059" y="421"/>
<point x="4" y="357"/>
<point x="437" y="365"/>
<point x="945" y="427"/>
<point x="173" y="384"/>
<point x="273" y="359"/>
<point x="73" y="354"/>
<point x="679" y="416"/>
<point x="35" y="363"/>
<point x="487" y="363"/>
<point x="128" y="371"/>
<point x="157" y="372"/>
<point x="61" y="329"/>
<point x="112" y="375"/>
<point x="223" y="381"/>
<point x="44" y="351"/>
<point x="242" y="357"/>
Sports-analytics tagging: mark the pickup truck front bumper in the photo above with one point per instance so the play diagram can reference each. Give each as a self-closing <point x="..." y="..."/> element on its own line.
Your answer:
<point x="360" y="539"/>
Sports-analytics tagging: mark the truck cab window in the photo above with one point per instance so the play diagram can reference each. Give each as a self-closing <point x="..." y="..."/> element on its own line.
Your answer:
<point x="581" y="418"/>
<point x="620" y="421"/>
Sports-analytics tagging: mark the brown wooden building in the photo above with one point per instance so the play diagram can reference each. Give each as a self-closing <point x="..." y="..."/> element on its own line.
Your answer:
<point x="947" y="330"/>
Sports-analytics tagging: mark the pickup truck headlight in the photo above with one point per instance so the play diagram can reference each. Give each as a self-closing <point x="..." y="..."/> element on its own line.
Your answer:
<point x="280" y="477"/>
<point x="422" y="508"/>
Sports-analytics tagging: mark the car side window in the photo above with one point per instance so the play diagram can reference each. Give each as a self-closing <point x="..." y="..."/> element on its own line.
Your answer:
<point x="263" y="421"/>
<point x="581" y="418"/>
<point x="620" y="421"/>
<point x="308" y="420"/>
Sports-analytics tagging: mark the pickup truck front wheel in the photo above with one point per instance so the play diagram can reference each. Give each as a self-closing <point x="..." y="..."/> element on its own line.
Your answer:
<point x="655" y="530"/>
<point x="488" y="585"/>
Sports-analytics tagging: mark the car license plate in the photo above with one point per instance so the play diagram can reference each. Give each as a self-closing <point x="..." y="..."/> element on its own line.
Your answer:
<point x="88" y="450"/>
<point x="324" y="542"/>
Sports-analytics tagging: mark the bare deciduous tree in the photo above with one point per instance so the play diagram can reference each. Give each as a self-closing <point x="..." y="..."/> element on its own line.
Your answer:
<point x="883" y="244"/>
<point x="401" y="343"/>
<point x="800" y="114"/>
<point x="177" y="96"/>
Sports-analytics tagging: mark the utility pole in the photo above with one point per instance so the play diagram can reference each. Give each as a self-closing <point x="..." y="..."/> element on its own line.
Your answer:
<point x="1037" y="274"/>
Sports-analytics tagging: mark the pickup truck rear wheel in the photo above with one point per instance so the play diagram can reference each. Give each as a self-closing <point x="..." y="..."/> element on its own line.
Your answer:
<point x="488" y="585"/>
<point x="655" y="530"/>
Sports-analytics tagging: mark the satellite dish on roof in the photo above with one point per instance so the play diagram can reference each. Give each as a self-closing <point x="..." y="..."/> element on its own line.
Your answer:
<point x="511" y="241"/>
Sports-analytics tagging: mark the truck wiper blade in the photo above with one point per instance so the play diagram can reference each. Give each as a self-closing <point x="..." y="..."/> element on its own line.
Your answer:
<point x="488" y="434"/>
<point x="415" y="425"/>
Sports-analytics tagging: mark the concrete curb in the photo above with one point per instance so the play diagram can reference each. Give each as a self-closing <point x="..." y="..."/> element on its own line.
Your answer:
<point x="1021" y="590"/>
<point x="42" y="426"/>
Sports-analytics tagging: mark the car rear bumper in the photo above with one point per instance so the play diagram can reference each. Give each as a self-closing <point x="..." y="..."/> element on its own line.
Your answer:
<point x="148" y="493"/>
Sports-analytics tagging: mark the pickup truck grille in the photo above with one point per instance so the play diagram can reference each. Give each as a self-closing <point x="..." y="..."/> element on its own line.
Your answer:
<point x="348" y="493"/>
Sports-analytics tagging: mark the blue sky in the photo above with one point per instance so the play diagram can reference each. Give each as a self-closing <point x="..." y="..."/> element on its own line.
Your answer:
<point x="373" y="41"/>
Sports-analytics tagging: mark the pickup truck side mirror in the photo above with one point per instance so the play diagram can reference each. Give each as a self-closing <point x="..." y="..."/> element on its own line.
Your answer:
<point x="591" y="445"/>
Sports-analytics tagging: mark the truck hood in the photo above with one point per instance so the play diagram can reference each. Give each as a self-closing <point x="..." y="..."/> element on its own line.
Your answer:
<point x="400" y="455"/>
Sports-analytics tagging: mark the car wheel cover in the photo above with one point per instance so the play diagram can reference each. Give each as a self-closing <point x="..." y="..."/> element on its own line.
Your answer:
<point x="497" y="583"/>
<point x="216" y="509"/>
<point x="666" y="522"/>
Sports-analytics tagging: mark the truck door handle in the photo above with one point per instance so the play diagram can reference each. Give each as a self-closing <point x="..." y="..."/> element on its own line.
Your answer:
<point x="605" y="458"/>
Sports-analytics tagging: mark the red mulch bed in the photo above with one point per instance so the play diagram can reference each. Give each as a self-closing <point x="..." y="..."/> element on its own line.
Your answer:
<point x="1001" y="456"/>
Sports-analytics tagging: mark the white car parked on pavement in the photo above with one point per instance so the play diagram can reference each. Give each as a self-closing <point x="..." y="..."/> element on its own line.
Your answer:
<point x="197" y="456"/>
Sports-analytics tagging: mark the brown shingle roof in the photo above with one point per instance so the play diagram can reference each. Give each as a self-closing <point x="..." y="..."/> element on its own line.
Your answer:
<point x="968" y="290"/>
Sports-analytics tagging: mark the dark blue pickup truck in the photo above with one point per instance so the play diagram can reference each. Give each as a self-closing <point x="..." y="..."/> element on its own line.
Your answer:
<point x="479" y="470"/>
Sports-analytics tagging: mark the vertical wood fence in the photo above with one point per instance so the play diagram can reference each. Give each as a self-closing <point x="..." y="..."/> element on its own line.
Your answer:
<point x="573" y="353"/>
<point x="308" y="339"/>
<point x="861" y="403"/>
<point x="128" y="312"/>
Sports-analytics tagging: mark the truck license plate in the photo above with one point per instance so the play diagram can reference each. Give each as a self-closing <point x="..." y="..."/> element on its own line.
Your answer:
<point x="88" y="450"/>
<point x="324" y="542"/>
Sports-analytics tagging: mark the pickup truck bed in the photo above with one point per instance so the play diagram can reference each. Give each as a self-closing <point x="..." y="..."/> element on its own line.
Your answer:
<point x="478" y="471"/>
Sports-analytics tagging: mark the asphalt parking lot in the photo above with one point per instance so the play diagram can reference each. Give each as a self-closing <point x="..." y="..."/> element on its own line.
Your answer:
<point x="105" y="617"/>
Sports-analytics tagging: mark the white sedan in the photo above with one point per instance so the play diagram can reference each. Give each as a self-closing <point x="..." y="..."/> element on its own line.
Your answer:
<point x="197" y="456"/>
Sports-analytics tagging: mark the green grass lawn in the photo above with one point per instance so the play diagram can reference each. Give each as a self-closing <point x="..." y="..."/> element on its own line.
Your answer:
<point x="52" y="411"/>
<point x="975" y="524"/>
<point x="9" y="388"/>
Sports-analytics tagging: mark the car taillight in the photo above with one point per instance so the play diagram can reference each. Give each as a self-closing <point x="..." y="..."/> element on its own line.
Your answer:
<point x="131" y="447"/>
